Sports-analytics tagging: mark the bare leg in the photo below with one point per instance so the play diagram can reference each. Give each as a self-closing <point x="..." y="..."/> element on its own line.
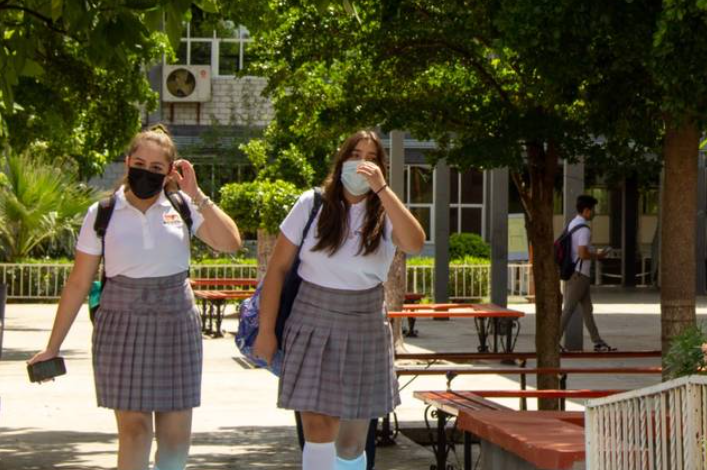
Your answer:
<point x="319" y="433"/>
<point x="134" y="439"/>
<point x="173" y="431"/>
<point x="351" y="441"/>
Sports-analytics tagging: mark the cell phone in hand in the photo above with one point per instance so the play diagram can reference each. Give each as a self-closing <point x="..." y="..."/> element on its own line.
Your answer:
<point x="45" y="370"/>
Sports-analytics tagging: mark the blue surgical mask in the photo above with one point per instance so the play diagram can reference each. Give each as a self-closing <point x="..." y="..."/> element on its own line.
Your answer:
<point x="354" y="183"/>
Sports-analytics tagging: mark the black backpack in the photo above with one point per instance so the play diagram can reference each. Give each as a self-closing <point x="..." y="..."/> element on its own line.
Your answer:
<point x="563" y="252"/>
<point x="105" y="211"/>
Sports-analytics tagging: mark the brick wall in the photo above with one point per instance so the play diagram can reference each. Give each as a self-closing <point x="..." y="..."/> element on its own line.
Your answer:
<point x="235" y="101"/>
<point x="112" y="173"/>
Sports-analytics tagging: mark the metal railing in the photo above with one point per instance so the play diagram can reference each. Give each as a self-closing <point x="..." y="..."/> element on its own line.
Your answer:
<point x="469" y="281"/>
<point x="653" y="428"/>
<point x="45" y="281"/>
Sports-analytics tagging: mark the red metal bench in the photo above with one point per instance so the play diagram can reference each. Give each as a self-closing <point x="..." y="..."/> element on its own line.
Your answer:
<point x="465" y="404"/>
<point x="214" y="294"/>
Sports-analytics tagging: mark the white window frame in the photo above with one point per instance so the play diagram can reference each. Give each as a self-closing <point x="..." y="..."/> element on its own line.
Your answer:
<point x="243" y="37"/>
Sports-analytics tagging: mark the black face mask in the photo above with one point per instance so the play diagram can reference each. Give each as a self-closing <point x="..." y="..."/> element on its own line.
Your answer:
<point x="143" y="183"/>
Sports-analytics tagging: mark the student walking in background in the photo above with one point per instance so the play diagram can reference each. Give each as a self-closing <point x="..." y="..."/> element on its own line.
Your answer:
<point x="338" y="367"/>
<point x="577" y="287"/>
<point x="147" y="351"/>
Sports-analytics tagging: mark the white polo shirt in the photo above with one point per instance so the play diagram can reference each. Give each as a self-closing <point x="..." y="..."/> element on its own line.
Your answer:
<point x="138" y="245"/>
<point x="582" y="237"/>
<point x="346" y="269"/>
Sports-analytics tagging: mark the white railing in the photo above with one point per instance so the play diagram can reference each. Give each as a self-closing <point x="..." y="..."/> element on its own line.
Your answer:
<point x="34" y="281"/>
<point x="46" y="281"/>
<point x="469" y="281"/>
<point x="654" y="428"/>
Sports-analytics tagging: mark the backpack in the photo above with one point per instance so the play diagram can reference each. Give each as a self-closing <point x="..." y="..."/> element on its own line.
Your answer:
<point x="249" y="311"/>
<point x="563" y="252"/>
<point x="105" y="211"/>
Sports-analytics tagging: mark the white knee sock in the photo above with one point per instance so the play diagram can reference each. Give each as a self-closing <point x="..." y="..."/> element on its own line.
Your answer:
<point x="359" y="463"/>
<point x="318" y="456"/>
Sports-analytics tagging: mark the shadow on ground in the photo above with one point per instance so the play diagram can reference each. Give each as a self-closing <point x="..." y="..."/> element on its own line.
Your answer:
<point x="14" y="354"/>
<point x="230" y="448"/>
<point x="32" y="449"/>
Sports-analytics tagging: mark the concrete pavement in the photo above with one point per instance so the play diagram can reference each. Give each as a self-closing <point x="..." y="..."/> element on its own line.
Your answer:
<point x="57" y="425"/>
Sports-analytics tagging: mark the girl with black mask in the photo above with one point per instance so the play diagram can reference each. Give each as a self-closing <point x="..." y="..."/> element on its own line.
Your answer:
<point x="147" y="352"/>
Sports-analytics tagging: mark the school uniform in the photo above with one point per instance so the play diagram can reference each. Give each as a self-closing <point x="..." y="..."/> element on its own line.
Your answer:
<point x="338" y="341"/>
<point x="147" y="351"/>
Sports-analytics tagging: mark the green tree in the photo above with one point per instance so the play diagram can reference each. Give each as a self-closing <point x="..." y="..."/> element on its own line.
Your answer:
<point x="495" y="84"/>
<point x="73" y="72"/>
<point x="40" y="208"/>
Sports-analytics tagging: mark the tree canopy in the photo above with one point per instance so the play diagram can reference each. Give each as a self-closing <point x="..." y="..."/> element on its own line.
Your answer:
<point x="74" y="71"/>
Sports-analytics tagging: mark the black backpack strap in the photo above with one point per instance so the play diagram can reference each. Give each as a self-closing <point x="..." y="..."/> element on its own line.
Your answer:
<point x="180" y="205"/>
<point x="315" y="209"/>
<point x="103" y="215"/>
<point x="100" y="225"/>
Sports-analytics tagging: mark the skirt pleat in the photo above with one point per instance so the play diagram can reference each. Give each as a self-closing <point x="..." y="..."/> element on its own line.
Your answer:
<point x="339" y="354"/>
<point x="147" y="351"/>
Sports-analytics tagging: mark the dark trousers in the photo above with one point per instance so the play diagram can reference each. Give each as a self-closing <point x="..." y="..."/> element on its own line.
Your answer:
<point x="370" y="440"/>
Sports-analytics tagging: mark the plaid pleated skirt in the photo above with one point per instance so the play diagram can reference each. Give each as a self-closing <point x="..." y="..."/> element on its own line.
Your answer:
<point x="147" y="351"/>
<point x="339" y="354"/>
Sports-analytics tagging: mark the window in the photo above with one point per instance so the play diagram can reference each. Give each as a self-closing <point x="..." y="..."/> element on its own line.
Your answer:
<point x="223" y="48"/>
<point x="649" y="201"/>
<point x="419" y="195"/>
<point x="603" y="197"/>
<point x="466" y="201"/>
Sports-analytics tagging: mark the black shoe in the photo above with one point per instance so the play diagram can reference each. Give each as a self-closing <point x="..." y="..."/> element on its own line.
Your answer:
<point x="601" y="346"/>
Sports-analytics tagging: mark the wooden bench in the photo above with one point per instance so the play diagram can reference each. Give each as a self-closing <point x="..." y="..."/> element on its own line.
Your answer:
<point x="214" y="294"/>
<point x="461" y="404"/>
<point x="448" y="405"/>
<point x="562" y="372"/>
<point x="488" y="319"/>
<point x="527" y="440"/>
<point x="236" y="283"/>
<point x="433" y="357"/>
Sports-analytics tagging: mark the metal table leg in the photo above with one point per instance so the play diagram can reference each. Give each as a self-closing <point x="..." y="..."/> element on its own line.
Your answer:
<point x="467" y="451"/>
<point x="441" y="440"/>
<point x="220" y="308"/>
<point x="204" y="307"/>
<point x="480" y="323"/>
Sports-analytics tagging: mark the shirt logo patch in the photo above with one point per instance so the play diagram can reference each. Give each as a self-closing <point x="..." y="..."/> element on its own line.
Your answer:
<point x="171" y="218"/>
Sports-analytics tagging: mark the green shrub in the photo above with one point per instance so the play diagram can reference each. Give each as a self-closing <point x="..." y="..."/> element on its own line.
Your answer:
<point x="685" y="356"/>
<point x="462" y="245"/>
<point x="259" y="204"/>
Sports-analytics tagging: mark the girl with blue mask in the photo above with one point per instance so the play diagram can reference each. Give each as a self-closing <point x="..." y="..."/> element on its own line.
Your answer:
<point x="338" y="367"/>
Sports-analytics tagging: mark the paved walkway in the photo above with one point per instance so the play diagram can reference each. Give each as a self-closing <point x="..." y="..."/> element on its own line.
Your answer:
<point x="57" y="425"/>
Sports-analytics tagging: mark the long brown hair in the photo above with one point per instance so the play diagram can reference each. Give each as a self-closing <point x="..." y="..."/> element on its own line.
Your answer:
<point x="333" y="225"/>
<point x="157" y="134"/>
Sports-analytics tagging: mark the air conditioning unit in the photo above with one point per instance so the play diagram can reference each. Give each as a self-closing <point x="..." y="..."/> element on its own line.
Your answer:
<point x="186" y="83"/>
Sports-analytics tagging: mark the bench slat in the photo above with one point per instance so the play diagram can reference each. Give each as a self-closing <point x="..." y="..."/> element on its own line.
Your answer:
<point x="531" y="435"/>
<point x="470" y="356"/>
<point x="526" y="371"/>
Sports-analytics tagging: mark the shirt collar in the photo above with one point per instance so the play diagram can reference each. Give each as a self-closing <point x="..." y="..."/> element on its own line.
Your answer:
<point x="121" y="202"/>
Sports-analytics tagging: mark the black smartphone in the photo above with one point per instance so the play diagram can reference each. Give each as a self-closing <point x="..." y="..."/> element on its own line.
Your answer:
<point x="40" y="371"/>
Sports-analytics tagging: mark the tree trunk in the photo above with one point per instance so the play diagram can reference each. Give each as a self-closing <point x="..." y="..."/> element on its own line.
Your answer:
<point x="537" y="196"/>
<point x="266" y="243"/>
<point x="395" y="295"/>
<point x="678" y="228"/>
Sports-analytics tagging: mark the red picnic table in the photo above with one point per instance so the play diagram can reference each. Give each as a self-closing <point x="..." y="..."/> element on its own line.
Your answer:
<point x="213" y="299"/>
<point x="488" y="319"/>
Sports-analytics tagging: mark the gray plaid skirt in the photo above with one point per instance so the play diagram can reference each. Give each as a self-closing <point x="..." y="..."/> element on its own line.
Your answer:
<point x="147" y="351"/>
<point x="339" y="354"/>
